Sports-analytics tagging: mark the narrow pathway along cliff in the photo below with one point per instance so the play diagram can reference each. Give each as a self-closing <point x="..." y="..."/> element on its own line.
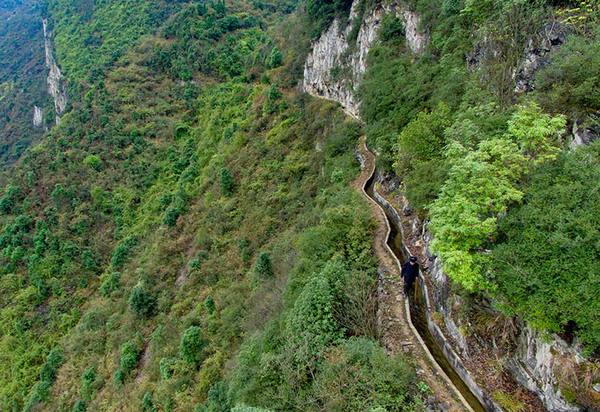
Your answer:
<point x="397" y="332"/>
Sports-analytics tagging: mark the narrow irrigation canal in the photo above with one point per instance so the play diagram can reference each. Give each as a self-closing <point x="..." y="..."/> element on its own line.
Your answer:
<point x="418" y="308"/>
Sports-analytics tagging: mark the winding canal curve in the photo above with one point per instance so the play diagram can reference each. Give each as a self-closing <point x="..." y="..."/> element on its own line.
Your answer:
<point x="437" y="369"/>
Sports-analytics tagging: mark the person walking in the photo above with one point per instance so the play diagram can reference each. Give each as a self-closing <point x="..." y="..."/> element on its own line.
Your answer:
<point x="410" y="272"/>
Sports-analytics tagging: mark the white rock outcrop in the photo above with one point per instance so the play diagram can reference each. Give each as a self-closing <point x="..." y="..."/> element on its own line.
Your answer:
<point x="332" y="52"/>
<point x="534" y="363"/>
<point x="55" y="80"/>
<point x="38" y="118"/>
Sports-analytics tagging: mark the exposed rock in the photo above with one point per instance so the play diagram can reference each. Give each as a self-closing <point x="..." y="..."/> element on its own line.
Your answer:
<point x="38" y="118"/>
<point x="333" y="69"/>
<point x="56" y="84"/>
<point x="583" y="135"/>
<point x="533" y="366"/>
<point x="536" y="55"/>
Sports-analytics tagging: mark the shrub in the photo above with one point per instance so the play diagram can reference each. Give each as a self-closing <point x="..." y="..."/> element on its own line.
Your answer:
<point x="41" y="390"/>
<point x="227" y="182"/>
<point x="121" y="252"/>
<point x="130" y="355"/>
<point x="148" y="403"/>
<point x="359" y="376"/>
<point x="93" y="161"/>
<point x="166" y="366"/>
<point x="311" y="325"/>
<point x="218" y="398"/>
<point x="110" y="284"/>
<point x="79" y="406"/>
<point x="9" y="199"/>
<point x="571" y="81"/>
<point x="209" y="305"/>
<point x="391" y="28"/>
<point x="192" y="344"/>
<point x="50" y="367"/>
<point x="263" y="266"/>
<point x="88" y="380"/>
<point x="275" y="59"/>
<point x="142" y="301"/>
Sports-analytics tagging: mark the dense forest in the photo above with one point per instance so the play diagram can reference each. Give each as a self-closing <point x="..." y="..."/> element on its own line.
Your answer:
<point x="188" y="237"/>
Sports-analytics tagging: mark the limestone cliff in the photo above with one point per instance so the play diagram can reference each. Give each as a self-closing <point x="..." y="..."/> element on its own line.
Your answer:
<point x="38" y="119"/>
<point x="334" y="68"/>
<point x="55" y="81"/>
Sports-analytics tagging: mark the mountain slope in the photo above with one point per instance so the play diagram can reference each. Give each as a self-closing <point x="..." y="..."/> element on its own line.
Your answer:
<point x="22" y="78"/>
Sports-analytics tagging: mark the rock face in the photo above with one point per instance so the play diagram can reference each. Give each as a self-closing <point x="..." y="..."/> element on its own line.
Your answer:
<point x="334" y="68"/>
<point x="56" y="84"/>
<point x="583" y="135"/>
<point x="533" y="367"/>
<point x="535" y="55"/>
<point x="38" y="119"/>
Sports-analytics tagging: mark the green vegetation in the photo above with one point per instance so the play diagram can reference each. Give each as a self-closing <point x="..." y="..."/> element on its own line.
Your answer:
<point x="553" y="238"/>
<point x="473" y="154"/>
<point x="177" y="237"/>
<point x="177" y="243"/>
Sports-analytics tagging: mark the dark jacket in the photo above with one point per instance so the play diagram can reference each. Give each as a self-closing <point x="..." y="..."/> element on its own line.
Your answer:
<point x="410" y="272"/>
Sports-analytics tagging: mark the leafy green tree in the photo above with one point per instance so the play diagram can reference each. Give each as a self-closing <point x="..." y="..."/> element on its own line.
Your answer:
<point x="192" y="344"/>
<point x="482" y="185"/>
<point x="263" y="266"/>
<point x="275" y="59"/>
<point x="536" y="133"/>
<point x="545" y="262"/>
<point x="142" y="301"/>
<point x="464" y="217"/>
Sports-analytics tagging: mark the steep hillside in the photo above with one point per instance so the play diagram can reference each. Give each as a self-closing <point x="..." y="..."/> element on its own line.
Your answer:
<point x="188" y="238"/>
<point x="25" y="110"/>
<point x="187" y="209"/>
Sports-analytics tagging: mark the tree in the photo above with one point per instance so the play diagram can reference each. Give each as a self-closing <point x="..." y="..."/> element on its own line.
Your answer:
<point x="546" y="262"/>
<point x="227" y="182"/>
<point x="264" y="267"/>
<point x="275" y="58"/>
<point x="192" y="344"/>
<point x="142" y="301"/>
<point x="422" y="139"/>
